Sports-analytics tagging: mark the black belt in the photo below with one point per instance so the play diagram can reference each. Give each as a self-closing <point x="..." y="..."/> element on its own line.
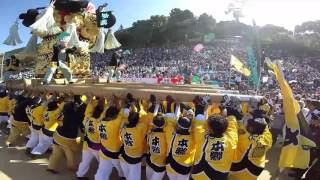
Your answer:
<point x="47" y="132"/>
<point x="129" y="159"/>
<point x="4" y="114"/>
<point x="203" y="166"/>
<point x="156" y="168"/>
<point x="112" y="155"/>
<point x="174" y="164"/>
<point x="177" y="167"/>
<point x="245" y="163"/>
<point x="36" y="127"/>
<point x="92" y="145"/>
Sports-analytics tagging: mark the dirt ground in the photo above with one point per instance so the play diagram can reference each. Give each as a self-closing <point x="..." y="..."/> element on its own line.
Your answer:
<point x="15" y="165"/>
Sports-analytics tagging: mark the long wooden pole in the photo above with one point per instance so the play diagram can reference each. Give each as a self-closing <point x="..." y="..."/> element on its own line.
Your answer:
<point x="108" y="90"/>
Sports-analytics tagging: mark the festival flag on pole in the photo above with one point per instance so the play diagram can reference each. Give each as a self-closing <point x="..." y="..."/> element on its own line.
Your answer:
<point x="295" y="152"/>
<point x="238" y="65"/>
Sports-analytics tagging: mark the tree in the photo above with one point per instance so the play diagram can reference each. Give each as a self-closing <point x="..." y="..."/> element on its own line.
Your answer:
<point x="158" y="21"/>
<point x="177" y="16"/>
<point x="142" y="32"/>
<point x="181" y="25"/>
<point x="231" y="28"/>
<point x="271" y="32"/>
<point x="308" y="27"/>
<point x="126" y="38"/>
<point x="205" y="23"/>
<point x="308" y="33"/>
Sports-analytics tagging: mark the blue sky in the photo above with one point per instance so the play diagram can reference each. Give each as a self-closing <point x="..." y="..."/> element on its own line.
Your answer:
<point x="285" y="13"/>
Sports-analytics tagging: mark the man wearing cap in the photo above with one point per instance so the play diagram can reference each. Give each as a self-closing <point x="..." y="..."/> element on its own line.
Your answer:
<point x="60" y="58"/>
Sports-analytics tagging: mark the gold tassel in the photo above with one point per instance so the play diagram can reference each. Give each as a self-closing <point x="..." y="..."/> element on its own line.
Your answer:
<point x="46" y="24"/>
<point x="99" y="45"/>
<point x="111" y="42"/>
<point x="13" y="38"/>
<point x="73" y="40"/>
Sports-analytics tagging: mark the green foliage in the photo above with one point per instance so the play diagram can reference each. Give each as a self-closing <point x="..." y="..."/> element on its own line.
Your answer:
<point x="181" y="26"/>
<point x="308" y="33"/>
<point x="232" y="28"/>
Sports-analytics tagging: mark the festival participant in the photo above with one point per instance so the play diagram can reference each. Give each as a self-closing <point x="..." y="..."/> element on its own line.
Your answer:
<point x="12" y="104"/>
<point x="20" y="121"/>
<point x="156" y="141"/>
<point x="157" y="149"/>
<point x="181" y="149"/>
<point x="65" y="139"/>
<point x="133" y="135"/>
<point x="313" y="107"/>
<point x="152" y="108"/>
<point x="180" y="141"/>
<point x="314" y="170"/>
<point x="299" y="140"/>
<point x="4" y="108"/>
<point x="12" y="67"/>
<point x="170" y="108"/>
<point x="60" y="58"/>
<point x="35" y="113"/>
<point x="51" y="115"/>
<point x="91" y="146"/>
<point x="109" y="128"/>
<point x="215" y="145"/>
<point x="113" y="68"/>
<point x="250" y="156"/>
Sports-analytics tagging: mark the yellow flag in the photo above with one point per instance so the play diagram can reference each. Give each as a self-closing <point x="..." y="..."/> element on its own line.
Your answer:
<point x="295" y="152"/>
<point x="237" y="64"/>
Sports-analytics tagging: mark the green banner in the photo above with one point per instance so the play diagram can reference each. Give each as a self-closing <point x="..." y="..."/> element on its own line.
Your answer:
<point x="252" y="62"/>
<point x="196" y="79"/>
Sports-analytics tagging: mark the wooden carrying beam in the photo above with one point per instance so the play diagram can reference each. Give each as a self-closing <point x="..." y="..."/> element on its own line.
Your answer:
<point x="140" y="91"/>
<point x="195" y="88"/>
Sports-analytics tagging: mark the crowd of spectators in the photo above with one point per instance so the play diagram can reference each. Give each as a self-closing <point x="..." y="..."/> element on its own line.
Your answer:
<point x="212" y="63"/>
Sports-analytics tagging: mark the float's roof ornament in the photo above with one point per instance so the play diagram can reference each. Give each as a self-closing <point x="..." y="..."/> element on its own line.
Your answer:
<point x="71" y="6"/>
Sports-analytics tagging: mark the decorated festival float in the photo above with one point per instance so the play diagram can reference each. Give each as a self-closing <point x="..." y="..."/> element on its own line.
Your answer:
<point x="79" y="19"/>
<point x="85" y="29"/>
